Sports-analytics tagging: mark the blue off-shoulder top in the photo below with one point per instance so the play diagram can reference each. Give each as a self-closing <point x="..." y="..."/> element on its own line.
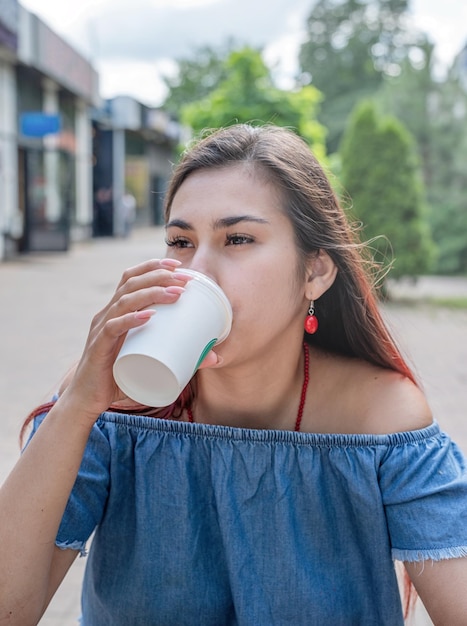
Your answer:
<point x="202" y="525"/>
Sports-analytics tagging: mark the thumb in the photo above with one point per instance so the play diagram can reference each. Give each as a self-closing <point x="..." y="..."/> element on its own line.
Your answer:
<point x="211" y="360"/>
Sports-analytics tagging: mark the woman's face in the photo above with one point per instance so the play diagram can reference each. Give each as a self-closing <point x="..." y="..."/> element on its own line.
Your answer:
<point x="228" y="224"/>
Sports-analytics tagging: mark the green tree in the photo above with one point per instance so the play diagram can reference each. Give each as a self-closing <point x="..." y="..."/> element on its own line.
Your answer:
<point x="435" y="113"/>
<point x="248" y="94"/>
<point x="448" y="181"/>
<point x="408" y="97"/>
<point x="351" y="46"/>
<point x="381" y="175"/>
<point x="196" y="76"/>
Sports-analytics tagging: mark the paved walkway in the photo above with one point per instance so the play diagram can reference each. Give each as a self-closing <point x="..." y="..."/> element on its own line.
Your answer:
<point x="47" y="302"/>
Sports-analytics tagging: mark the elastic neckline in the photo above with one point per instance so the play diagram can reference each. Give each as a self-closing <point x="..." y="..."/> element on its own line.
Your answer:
<point x="211" y="431"/>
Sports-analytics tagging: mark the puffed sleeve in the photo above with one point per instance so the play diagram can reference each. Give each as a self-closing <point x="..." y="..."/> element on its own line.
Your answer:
<point x="423" y="482"/>
<point x="87" y="500"/>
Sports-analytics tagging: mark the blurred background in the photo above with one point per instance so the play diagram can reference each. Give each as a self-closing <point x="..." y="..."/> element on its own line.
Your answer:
<point x="98" y="98"/>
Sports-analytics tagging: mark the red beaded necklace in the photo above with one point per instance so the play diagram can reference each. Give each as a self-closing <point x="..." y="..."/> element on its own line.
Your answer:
<point x="301" y="406"/>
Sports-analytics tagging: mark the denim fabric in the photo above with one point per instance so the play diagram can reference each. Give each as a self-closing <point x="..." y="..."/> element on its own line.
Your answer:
<point x="200" y="525"/>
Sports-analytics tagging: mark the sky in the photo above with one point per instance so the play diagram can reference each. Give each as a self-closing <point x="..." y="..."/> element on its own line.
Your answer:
<point x="132" y="43"/>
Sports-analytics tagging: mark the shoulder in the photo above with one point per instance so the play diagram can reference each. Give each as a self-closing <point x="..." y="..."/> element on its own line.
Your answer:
<point x="390" y="402"/>
<point x="370" y="399"/>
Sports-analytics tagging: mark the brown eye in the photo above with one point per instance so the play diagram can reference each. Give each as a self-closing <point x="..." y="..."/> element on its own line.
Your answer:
<point x="178" y="242"/>
<point x="237" y="240"/>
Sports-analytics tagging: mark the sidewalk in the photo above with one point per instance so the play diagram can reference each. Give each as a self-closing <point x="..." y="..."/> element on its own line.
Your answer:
<point x="429" y="288"/>
<point x="48" y="300"/>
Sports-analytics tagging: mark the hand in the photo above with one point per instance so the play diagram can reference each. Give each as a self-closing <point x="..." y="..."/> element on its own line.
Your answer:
<point x="92" y="388"/>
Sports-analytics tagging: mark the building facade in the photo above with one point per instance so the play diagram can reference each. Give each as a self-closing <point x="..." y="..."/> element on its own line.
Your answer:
<point x="71" y="164"/>
<point x="134" y="147"/>
<point x="55" y="90"/>
<point x="9" y="227"/>
<point x="46" y="92"/>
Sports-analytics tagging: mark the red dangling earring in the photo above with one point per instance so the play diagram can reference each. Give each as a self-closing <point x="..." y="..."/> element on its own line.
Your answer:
<point x="311" y="321"/>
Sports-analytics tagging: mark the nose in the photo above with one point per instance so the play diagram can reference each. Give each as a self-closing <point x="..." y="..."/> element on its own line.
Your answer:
<point x="203" y="262"/>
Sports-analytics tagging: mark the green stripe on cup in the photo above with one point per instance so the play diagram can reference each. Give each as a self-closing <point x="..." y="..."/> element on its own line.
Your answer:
<point x="211" y="344"/>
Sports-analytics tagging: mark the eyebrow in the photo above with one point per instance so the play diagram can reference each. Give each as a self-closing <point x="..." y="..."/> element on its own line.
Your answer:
<point x="224" y="222"/>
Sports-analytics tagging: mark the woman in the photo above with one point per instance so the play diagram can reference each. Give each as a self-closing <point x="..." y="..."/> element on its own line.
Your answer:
<point x="292" y="470"/>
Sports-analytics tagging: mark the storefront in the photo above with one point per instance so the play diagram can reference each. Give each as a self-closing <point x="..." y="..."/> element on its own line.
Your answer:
<point x="9" y="219"/>
<point x="134" y="147"/>
<point x="71" y="166"/>
<point x="55" y="89"/>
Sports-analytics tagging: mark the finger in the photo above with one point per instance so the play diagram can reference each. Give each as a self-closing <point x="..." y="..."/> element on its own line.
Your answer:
<point x="157" y="284"/>
<point x="212" y="359"/>
<point x="131" y="302"/>
<point x="156" y="279"/>
<point x="144" y="298"/>
<point x="148" y="266"/>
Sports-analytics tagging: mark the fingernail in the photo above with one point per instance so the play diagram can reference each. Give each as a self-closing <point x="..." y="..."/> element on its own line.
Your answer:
<point x="182" y="276"/>
<point x="170" y="263"/>
<point x="145" y="314"/>
<point x="174" y="290"/>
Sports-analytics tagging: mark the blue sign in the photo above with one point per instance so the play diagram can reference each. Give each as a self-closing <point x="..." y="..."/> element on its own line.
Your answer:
<point x="38" y="124"/>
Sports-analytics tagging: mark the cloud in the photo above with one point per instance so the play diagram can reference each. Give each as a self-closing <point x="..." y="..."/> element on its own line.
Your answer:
<point x="129" y="44"/>
<point x="139" y="79"/>
<point x="127" y="40"/>
<point x="445" y="24"/>
<point x="143" y="31"/>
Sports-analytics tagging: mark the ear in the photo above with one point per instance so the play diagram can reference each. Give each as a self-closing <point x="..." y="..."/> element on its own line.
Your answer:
<point x="321" y="273"/>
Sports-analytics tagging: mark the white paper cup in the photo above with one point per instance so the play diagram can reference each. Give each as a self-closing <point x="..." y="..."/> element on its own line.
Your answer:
<point x="157" y="360"/>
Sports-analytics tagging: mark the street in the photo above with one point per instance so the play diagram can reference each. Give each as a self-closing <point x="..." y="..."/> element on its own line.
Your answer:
<point x="48" y="300"/>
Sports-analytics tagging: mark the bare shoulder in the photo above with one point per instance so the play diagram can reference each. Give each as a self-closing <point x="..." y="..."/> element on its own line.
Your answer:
<point x="364" y="398"/>
<point x="384" y="401"/>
